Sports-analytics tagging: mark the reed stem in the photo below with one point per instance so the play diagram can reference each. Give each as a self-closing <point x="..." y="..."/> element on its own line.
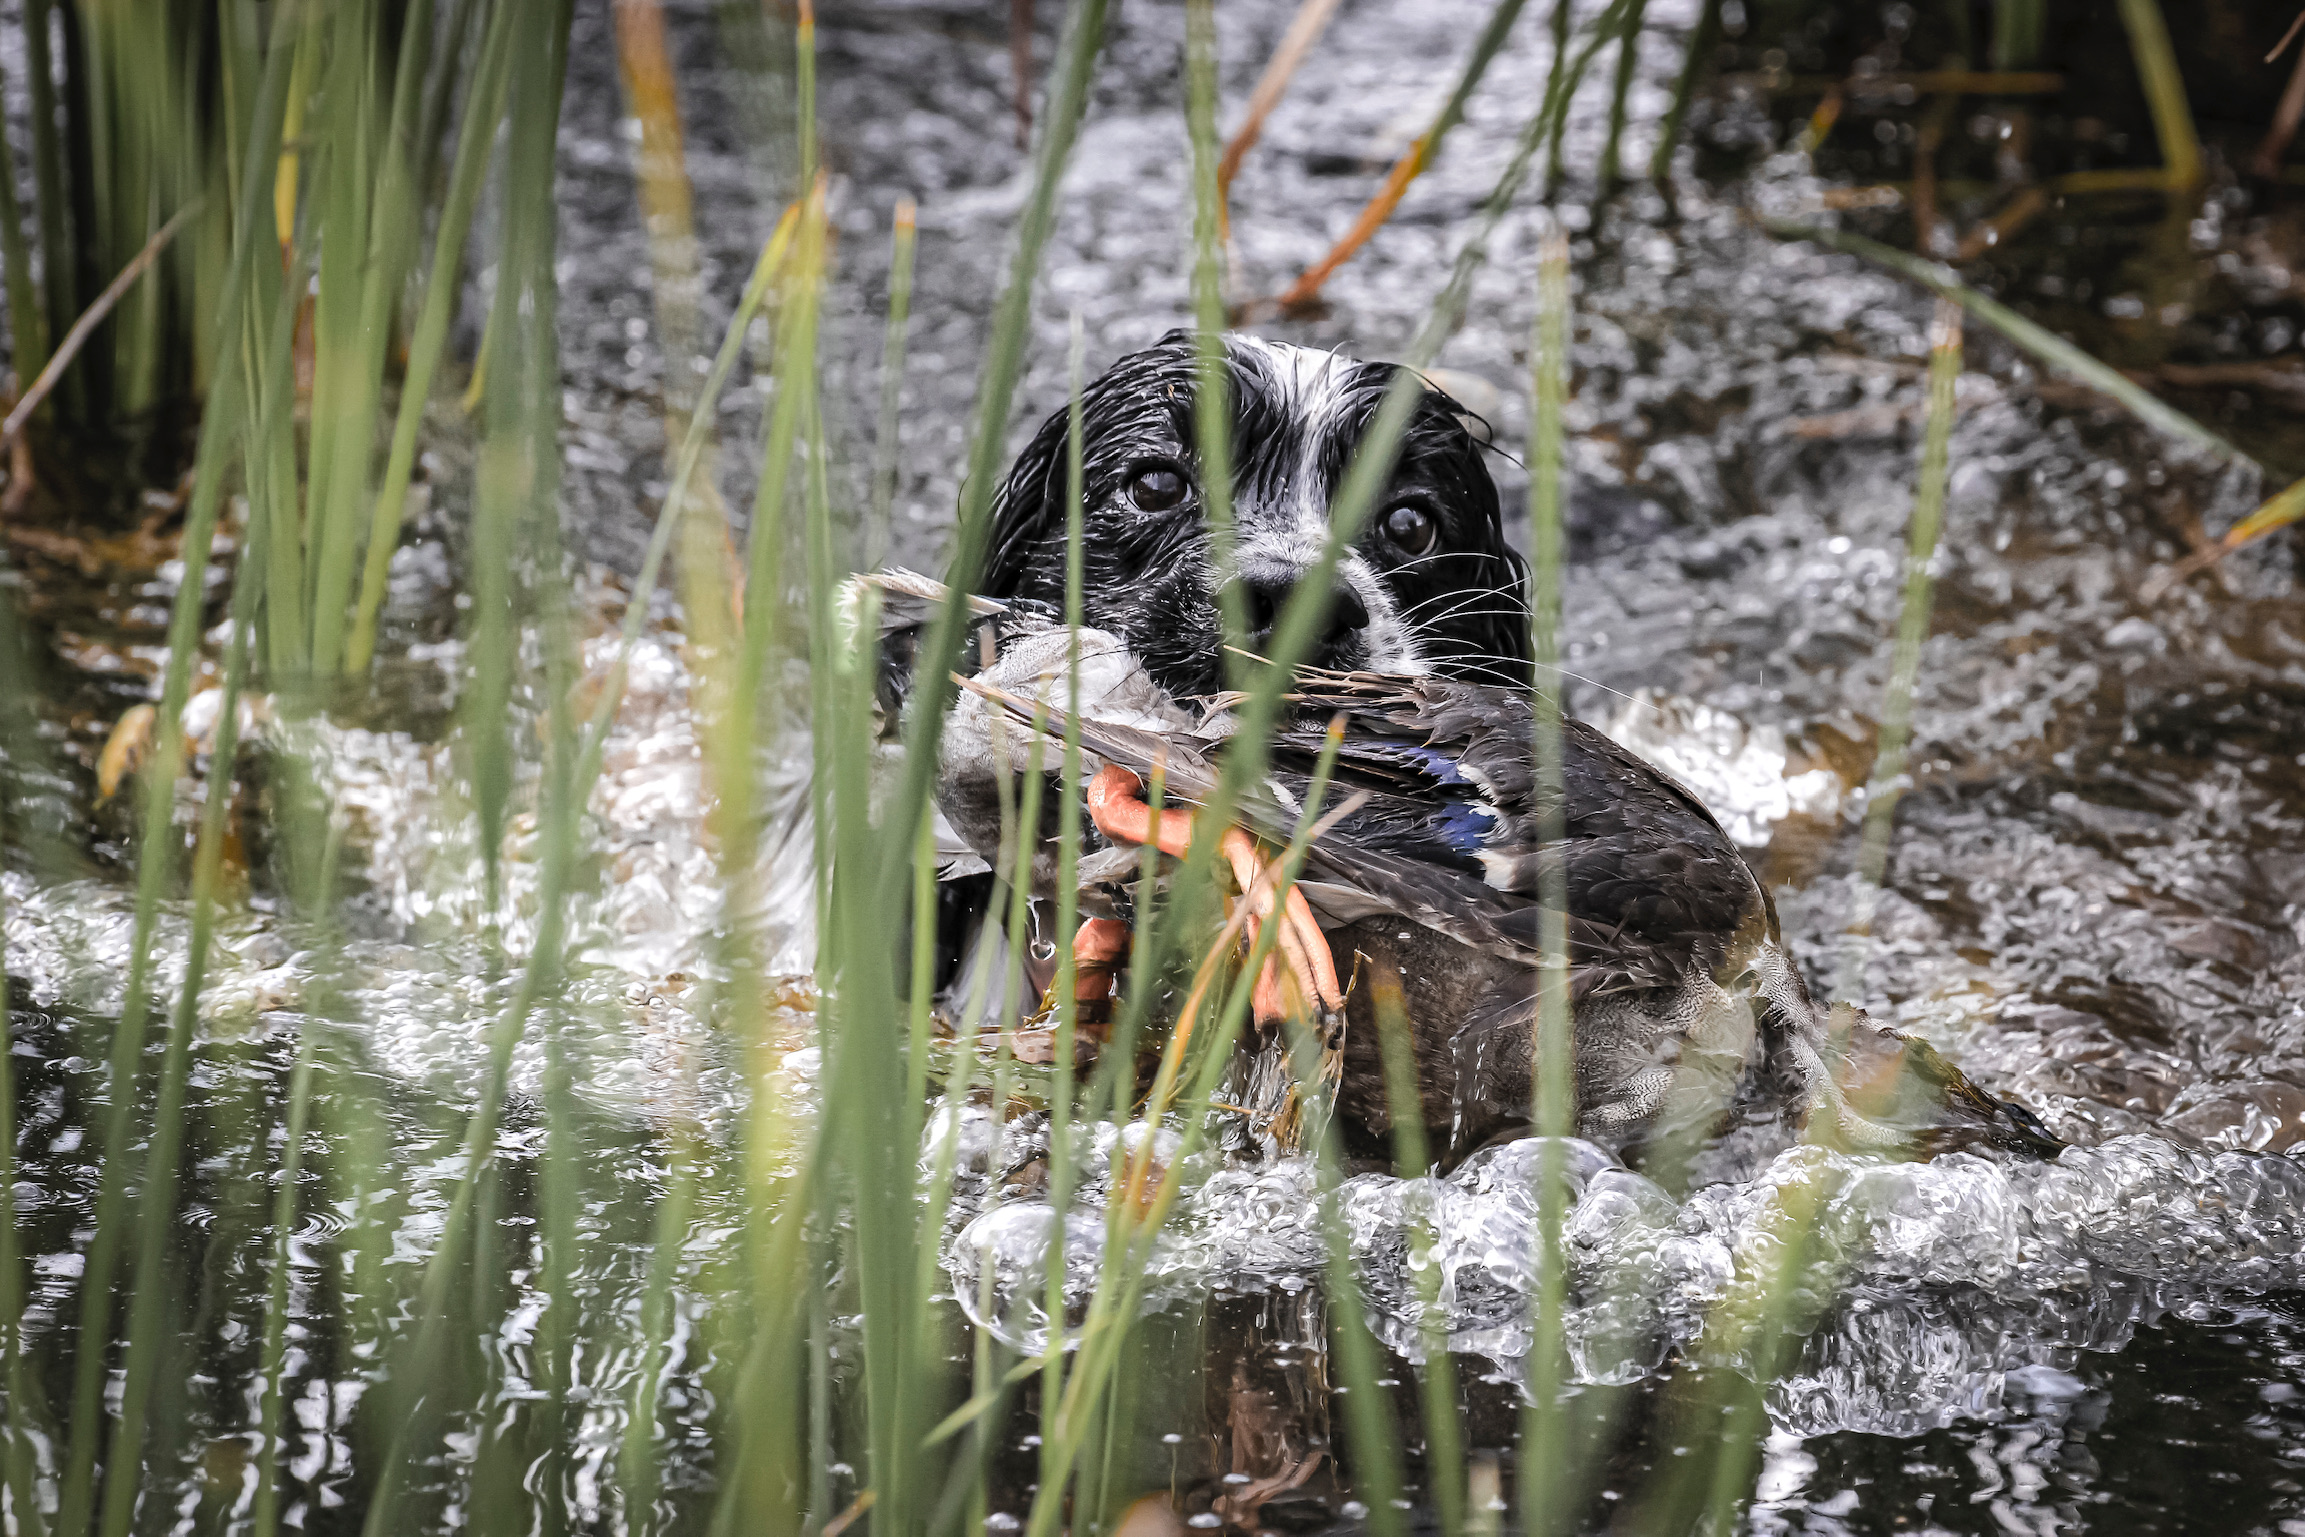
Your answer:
<point x="2164" y="92"/>
<point x="1544" y="1460"/>
<point x="1888" y="783"/>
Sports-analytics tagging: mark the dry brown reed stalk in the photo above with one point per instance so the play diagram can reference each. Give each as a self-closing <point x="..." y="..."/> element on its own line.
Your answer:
<point x="2283" y="508"/>
<point x="90" y="318"/>
<point x="2266" y="162"/>
<point x="1305" y="291"/>
<point x="1305" y="28"/>
<point x="2005" y="222"/>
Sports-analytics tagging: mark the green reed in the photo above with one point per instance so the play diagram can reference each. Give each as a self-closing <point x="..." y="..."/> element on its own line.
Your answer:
<point x="154" y="1284"/>
<point x="1699" y="53"/>
<point x="2051" y="349"/>
<point x="1412" y="1159"/>
<point x="137" y="121"/>
<point x="1065" y="994"/>
<point x="24" y="764"/>
<point x="113" y="1214"/>
<point x="1751" y="1336"/>
<point x="1628" y="58"/>
<point x="887" y="445"/>
<point x="1888" y="781"/>
<point x="1544" y="1471"/>
<point x="484" y="108"/>
<point x="2164" y="92"/>
<point x="515" y="493"/>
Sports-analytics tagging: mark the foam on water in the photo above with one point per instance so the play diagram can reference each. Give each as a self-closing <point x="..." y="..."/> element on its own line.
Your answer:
<point x="429" y="965"/>
<point x="1929" y="1288"/>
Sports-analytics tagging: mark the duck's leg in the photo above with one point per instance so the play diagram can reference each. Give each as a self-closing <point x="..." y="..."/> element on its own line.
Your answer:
<point x="1097" y="951"/>
<point x="1116" y="805"/>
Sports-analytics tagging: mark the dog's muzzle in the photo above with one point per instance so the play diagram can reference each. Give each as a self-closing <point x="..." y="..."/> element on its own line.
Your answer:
<point x="1262" y="599"/>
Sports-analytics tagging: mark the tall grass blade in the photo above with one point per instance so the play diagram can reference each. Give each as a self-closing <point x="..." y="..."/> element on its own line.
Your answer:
<point x="154" y="1285"/>
<point x="51" y="210"/>
<point x="1067" y="988"/>
<point x="996" y="391"/>
<point x="269" y="374"/>
<point x="731" y="756"/>
<point x="522" y="398"/>
<point x="340" y="169"/>
<point x="21" y="759"/>
<point x="545" y="1458"/>
<point x="476" y="137"/>
<point x="516" y="495"/>
<point x="2052" y="349"/>
<point x="887" y="444"/>
<point x="1212" y="404"/>
<point x="2164" y="92"/>
<point x="765" y="539"/>
<point x="1544" y="1457"/>
<point x="1372" y="1434"/>
<point x="27" y="319"/>
<point x="1412" y="1159"/>
<point x="1143" y="1194"/>
<point x="218" y="429"/>
<point x="1628" y="59"/>
<point x="264" y="1520"/>
<point x="767" y="1479"/>
<point x="388" y="200"/>
<point x="1701" y="43"/>
<point x="1750" y="1334"/>
<point x="1887" y="784"/>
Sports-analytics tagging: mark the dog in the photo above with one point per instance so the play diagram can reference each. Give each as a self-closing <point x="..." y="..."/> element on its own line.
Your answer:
<point x="1429" y="587"/>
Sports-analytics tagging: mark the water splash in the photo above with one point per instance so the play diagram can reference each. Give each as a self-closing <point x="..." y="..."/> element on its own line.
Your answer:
<point x="1932" y="1287"/>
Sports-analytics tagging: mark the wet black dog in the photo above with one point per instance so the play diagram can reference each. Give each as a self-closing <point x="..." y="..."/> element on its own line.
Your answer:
<point x="1429" y="587"/>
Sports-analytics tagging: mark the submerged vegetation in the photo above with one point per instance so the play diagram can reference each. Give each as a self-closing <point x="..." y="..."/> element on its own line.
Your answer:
<point x="304" y="1294"/>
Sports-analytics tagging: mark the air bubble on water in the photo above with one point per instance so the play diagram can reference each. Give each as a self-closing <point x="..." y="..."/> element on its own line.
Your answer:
<point x="999" y="1270"/>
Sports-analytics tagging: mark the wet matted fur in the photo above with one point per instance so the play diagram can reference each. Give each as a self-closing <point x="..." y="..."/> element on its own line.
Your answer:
<point x="1456" y="606"/>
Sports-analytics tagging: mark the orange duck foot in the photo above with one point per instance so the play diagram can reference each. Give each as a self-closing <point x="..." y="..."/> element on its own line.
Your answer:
<point x="1301" y="973"/>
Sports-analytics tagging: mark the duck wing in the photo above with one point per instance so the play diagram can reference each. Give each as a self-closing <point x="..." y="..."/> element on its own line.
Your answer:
<point x="1447" y="830"/>
<point x="1451" y="831"/>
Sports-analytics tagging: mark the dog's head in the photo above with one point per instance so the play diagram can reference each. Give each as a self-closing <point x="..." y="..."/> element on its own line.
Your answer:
<point x="1429" y="586"/>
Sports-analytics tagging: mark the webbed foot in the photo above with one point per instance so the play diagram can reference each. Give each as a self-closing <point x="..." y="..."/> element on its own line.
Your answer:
<point x="1300" y="976"/>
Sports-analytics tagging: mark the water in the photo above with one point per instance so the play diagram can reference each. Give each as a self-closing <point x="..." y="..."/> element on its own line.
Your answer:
<point x="2093" y="899"/>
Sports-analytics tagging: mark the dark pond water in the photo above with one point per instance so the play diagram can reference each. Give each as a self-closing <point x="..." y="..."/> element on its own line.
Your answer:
<point x="2096" y="894"/>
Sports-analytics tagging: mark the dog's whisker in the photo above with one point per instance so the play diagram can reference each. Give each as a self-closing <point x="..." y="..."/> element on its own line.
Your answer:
<point x="1465" y="610"/>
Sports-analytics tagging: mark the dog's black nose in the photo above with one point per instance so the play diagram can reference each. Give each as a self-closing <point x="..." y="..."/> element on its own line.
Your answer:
<point x="1263" y="597"/>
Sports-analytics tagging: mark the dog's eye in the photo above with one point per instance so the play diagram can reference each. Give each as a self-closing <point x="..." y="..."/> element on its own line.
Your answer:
<point x="1156" y="488"/>
<point x="1410" y="529"/>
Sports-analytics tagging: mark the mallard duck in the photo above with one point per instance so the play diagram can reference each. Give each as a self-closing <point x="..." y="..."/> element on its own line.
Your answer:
<point x="1684" y="999"/>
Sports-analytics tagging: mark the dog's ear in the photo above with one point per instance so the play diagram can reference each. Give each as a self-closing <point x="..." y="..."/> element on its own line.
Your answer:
<point x="1027" y="511"/>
